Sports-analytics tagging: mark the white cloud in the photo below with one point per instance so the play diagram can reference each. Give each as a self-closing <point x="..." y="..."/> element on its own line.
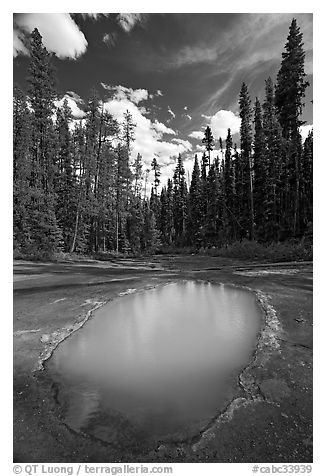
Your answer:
<point x="75" y="96"/>
<point x="72" y="99"/>
<point x="127" y="21"/>
<point x="200" y="148"/>
<point x="138" y="95"/>
<point x="148" y="134"/>
<point x="110" y="39"/>
<point x="18" y="44"/>
<point x="94" y="16"/>
<point x="159" y="92"/>
<point x="160" y="127"/>
<point x="304" y="130"/>
<point x="221" y="121"/>
<point x="121" y="92"/>
<point x="196" y="134"/>
<point x="206" y="117"/>
<point x="60" y="33"/>
<point x="183" y="142"/>
<point x="171" y="112"/>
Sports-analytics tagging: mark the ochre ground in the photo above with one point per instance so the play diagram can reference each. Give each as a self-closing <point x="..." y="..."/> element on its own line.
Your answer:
<point x="268" y="417"/>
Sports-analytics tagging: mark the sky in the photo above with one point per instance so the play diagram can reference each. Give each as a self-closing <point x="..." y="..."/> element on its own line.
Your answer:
<point x="175" y="72"/>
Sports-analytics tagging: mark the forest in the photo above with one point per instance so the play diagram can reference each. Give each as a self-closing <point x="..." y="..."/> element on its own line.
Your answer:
<point x="76" y="189"/>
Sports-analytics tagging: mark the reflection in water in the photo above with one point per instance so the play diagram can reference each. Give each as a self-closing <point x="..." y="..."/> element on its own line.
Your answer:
<point x="158" y="363"/>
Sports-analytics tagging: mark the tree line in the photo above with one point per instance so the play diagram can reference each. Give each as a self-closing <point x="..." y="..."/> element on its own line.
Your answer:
<point x="77" y="190"/>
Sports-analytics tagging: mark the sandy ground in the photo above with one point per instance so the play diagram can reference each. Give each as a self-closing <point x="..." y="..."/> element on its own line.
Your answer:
<point x="268" y="417"/>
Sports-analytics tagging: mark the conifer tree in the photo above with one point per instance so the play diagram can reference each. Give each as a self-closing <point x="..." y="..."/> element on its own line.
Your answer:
<point x="21" y="171"/>
<point x="274" y="185"/>
<point x="150" y="235"/>
<point x="170" y="232"/>
<point x="212" y="220"/>
<point x="194" y="216"/>
<point x="240" y="232"/>
<point x="179" y="201"/>
<point x="203" y="185"/>
<point x="154" y="201"/>
<point x="229" y="186"/>
<point x="291" y="83"/>
<point x="44" y="227"/>
<point x="138" y="174"/>
<point x="208" y="141"/>
<point x="156" y="168"/>
<point x="122" y="192"/>
<point x="289" y="95"/>
<point x="65" y="181"/>
<point x="246" y="161"/>
<point x="307" y="183"/>
<point x="259" y="172"/>
<point x="80" y="227"/>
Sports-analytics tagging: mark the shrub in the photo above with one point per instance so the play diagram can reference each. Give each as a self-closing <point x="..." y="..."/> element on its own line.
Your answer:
<point x="292" y="250"/>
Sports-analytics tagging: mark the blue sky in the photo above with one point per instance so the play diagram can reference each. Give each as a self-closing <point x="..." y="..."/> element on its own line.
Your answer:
<point x="176" y="73"/>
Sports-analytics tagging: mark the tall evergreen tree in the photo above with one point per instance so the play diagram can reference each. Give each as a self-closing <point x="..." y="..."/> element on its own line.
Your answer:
<point x="21" y="171"/>
<point x="212" y="220"/>
<point x="138" y="174"/>
<point x="307" y="183"/>
<point x="128" y="130"/>
<point x="289" y="95"/>
<point x="65" y="181"/>
<point x="246" y="161"/>
<point x="45" y="230"/>
<point x="259" y="172"/>
<point x="291" y="83"/>
<point x="229" y="187"/>
<point x="208" y="141"/>
<point x="179" y="201"/>
<point x="170" y="231"/>
<point x="275" y="185"/>
<point x="194" y="216"/>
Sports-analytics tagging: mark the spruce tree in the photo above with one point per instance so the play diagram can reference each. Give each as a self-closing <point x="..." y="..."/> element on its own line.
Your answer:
<point x="307" y="183"/>
<point x="291" y="83"/>
<point x="259" y="172"/>
<point x="138" y="174"/>
<point x="246" y="160"/>
<point x="194" y="218"/>
<point x="289" y="95"/>
<point x="46" y="234"/>
<point x="212" y="218"/>
<point x="275" y="172"/>
<point x="21" y="171"/>
<point x="208" y="141"/>
<point x="229" y="187"/>
<point x="170" y="231"/>
<point x="179" y="201"/>
<point x="65" y="181"/>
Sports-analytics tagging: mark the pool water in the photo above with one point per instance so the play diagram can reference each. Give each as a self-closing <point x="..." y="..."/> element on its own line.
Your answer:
<point x="158" y="364"/>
